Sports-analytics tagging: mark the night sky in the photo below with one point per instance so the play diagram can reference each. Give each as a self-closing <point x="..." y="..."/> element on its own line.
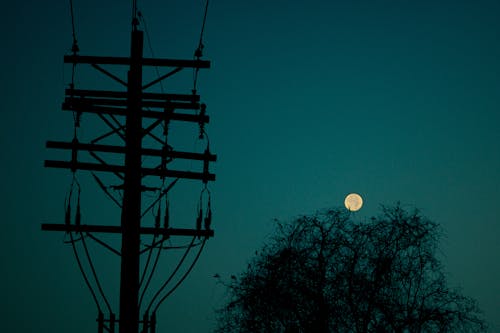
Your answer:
<point x="309" y="101"/>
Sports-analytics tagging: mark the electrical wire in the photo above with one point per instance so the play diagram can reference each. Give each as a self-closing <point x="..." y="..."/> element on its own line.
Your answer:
<point x="100" y="242"/>
<point x="91" y="264"/>
<point x="182" y="278"/>
<point x="150" y="252"/>
<point x="179" y="247"/>
<point x="83" y="272"/>
<point x="76" y="114"/>
<point x="207" y="138"/>
<point x="205" y="189"/>
<point x="76" y="119"/>
<point x="171" y="275"/>
<point x="203" y="25"/>
<point x="196" y="142"/>
<point x="148" y="38"/>
<point x="152" y="272"/>
<point x="163" y="193"/>
<point x="95" y="274"/>
<point x="74" y="48"/>
<point x="105" y="190"/>
<point x="69" y="242"/>
<point x="199" y="51"/>
<point x="82" y="239"/>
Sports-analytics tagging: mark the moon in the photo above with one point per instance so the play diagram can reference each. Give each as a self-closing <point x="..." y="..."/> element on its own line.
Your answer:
<point x="353" y="202"/>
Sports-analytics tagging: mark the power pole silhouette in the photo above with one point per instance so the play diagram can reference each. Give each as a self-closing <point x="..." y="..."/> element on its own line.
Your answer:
<point x="134" y="105"/>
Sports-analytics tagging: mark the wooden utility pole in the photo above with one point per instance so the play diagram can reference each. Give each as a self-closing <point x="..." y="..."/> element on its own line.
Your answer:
<point x="134" y="105"/>
<point x="131" y="209"/>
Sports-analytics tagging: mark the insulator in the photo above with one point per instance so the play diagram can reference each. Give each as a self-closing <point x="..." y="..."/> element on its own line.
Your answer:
<point x="78" y="118"/>
<point x="199" y="52"/>
<point x="203" y="109"/>
<point x="208" y="221"/>
<point x="198" y="219"/>
<point x="74" y="47"/>
<point x="168" y="113"/>
<point x="205" y="165"/>
<point x="208" y="218"/>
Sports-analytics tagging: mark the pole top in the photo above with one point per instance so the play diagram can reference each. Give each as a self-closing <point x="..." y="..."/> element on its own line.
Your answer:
<point x="135" y="20"/>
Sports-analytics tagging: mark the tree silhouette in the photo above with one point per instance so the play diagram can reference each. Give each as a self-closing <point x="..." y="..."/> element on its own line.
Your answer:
<point x="328" y="273"/>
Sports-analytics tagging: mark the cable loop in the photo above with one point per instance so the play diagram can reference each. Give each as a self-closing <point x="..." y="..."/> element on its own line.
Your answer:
<point x="75" y="183"/>
<point x="207" y="219"/>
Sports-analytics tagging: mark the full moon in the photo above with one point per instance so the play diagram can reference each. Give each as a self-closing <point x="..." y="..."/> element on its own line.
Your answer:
<point x="353" y="202"/>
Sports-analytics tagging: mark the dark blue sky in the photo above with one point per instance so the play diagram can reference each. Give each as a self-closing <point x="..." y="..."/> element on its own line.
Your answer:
<point x="395" y="100"/>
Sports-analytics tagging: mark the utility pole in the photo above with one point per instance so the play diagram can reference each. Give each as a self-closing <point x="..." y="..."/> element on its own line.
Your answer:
<point x="135" y="105"/>
<point x="131" y="210"/>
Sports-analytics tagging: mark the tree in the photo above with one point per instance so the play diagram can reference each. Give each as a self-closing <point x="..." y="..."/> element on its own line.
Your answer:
<point x="328" y="273"/>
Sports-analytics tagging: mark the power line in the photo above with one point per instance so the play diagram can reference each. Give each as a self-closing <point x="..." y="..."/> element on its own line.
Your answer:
<point x="199" y="50"/>
<point x="182" y="278"/>
<point x="152" y="272"/>
<point x="179" y="264"/>
<point x="95" y="274"/>
<point x="89" y="286"/>
<point x="150" y="252"/>
<point x="74" y="48"/>
<point x="148" y="38"/>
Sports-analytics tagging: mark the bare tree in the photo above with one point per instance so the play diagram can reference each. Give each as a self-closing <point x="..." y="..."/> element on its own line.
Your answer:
<point x="328" y="273"/>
